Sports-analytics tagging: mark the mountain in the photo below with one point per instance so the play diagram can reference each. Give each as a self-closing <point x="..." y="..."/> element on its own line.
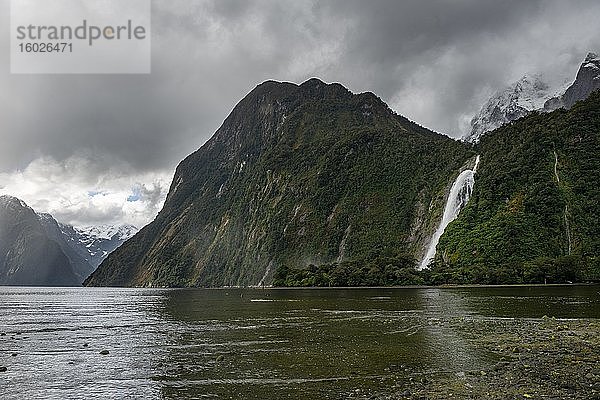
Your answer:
<point x="27" y="255"/>
<point x="314" y="185"/>
<point x="527" y="212"/>
<point x="76" y="252"/>
<point x="532" y="93"/>
<point x="296" y="175"/>
<point x="587" y="80"/>
<point x="514" y="102"/>
<point x="533" y="213"/>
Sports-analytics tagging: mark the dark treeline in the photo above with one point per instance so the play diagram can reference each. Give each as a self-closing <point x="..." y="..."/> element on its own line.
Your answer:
<point x="400" y="271"/>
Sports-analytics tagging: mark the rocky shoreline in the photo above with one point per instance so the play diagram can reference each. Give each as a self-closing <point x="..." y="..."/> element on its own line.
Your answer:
<point x="536" y="359"/>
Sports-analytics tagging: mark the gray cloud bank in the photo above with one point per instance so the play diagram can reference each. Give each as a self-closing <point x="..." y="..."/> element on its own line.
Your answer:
<point x="433" y="61"/>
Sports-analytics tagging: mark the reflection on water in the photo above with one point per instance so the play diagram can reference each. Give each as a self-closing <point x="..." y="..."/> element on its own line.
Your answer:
<point x="242" y="343"/>
<point x="449" y="351"/>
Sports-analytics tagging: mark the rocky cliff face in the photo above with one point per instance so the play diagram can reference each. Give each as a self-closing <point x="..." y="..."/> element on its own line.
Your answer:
<point x="27" y="255"/>
<point x="75" y="254"/>
<point x="297" y="174"/>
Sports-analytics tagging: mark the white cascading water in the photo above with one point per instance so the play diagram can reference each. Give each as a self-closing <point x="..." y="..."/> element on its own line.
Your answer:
<point x="459" y="196"/>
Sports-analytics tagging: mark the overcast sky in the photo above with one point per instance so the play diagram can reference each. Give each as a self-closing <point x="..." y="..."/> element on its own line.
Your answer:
<point x="81" y="146"/>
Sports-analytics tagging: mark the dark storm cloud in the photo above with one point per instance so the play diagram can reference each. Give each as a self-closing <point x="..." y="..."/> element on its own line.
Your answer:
<point x="449" y="55"/>
<point x="433" y="61"/>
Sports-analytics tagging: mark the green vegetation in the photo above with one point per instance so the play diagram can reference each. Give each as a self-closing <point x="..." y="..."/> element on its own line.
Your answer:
<point x="377" y="271"/>
<point x="527" y="221"/>
<point x="299" y="177"/>
<point x="522" y="224"/>
<point x="400" y="271"/>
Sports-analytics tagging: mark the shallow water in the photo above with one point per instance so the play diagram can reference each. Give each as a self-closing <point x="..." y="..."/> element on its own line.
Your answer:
<point x="251" y="343"/>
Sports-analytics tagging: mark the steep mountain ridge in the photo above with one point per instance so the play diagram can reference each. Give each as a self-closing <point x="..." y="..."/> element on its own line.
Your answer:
<point x="76" y="255"/>
<point x="297" y="174"/>
<point x="586" y="81"/>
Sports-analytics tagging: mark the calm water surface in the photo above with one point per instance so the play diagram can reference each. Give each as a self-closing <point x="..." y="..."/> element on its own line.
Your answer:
<point x="250" y="343"/>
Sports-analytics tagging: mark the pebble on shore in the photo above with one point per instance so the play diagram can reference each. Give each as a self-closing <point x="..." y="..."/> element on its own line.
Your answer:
<point x="104" y="352"/>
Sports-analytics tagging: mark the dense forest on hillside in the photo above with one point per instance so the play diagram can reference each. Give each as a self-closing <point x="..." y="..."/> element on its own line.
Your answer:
<point x="534" y="212"/>
<point x="297" y="175"/>
<point x="532" y="218"/>
<point x="312" y="185"/>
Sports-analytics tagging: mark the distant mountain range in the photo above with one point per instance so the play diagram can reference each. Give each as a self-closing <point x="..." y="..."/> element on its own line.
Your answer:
<point x="533" y="93"/>
<point x="37" y="250"/>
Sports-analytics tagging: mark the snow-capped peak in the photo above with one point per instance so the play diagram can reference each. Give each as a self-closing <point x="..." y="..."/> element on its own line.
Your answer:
<point x="86" y="247"/>
<point x="533" y="93"/>
<point x="95" y="243"/>
<point x="8" y="200"/>
<point x="513" y="102"/>
<point x="108" y="232"/>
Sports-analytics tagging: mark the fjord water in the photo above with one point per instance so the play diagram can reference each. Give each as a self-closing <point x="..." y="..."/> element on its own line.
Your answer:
<point x="252" y="343"/>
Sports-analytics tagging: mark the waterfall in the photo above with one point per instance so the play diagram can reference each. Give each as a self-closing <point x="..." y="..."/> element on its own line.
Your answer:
<point x="459" y="196"/>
